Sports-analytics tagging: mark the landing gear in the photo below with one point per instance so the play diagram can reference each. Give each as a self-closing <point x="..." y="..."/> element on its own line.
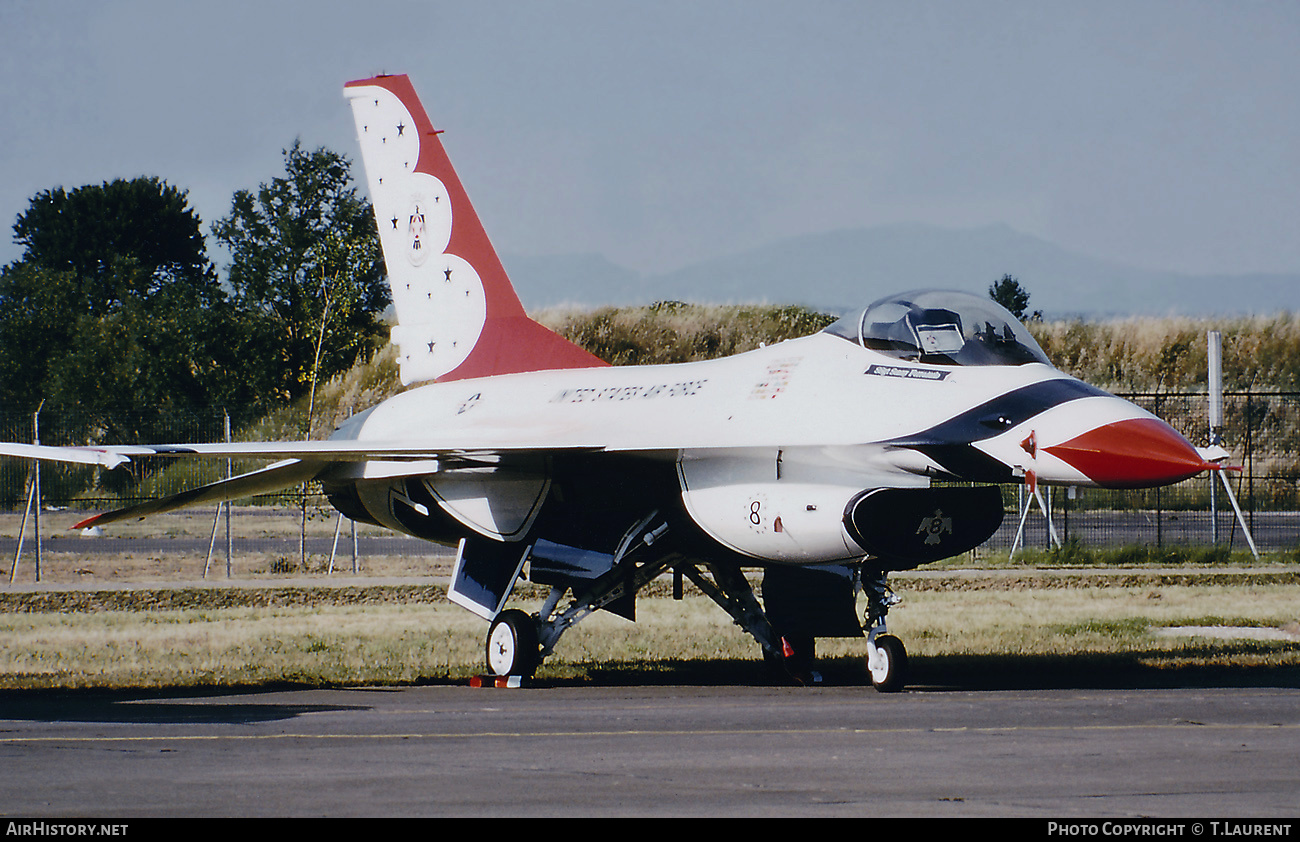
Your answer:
<point x="886" y="657"/>
<point x="636" y="562"/>
<point x="512" y="647"/>
<point x="517" y="642"/>
<point x="794" y="662"/>
<point x="887" y="663"/>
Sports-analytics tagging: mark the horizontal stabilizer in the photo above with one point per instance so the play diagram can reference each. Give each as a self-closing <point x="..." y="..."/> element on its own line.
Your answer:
<point x="277" y="477"/>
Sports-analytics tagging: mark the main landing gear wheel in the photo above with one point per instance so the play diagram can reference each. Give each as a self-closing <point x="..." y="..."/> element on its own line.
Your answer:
<point x="512" y="647"/>
<point x="794" y="662"/>
<point x="887" y="663"/>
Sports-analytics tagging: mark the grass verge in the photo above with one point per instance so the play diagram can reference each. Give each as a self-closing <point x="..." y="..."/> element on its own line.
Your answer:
<point x="981" y="629"/>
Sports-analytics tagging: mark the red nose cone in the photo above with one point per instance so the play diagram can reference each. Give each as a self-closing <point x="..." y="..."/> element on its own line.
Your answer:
<point x="1137" y="453"/>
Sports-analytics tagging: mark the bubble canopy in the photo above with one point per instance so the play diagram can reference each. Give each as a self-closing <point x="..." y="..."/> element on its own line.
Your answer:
<point x="942" y="327"/>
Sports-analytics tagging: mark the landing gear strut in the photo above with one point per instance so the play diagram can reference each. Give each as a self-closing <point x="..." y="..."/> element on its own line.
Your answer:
<point x="517" y="643"/>
<point x="886" y="657"/>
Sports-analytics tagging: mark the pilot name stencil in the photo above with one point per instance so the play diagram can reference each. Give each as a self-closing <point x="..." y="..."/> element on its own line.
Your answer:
<point x="906" y="373"/>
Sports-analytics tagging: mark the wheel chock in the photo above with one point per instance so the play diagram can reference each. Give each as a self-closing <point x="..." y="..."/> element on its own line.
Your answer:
<point x="497" y="681"/>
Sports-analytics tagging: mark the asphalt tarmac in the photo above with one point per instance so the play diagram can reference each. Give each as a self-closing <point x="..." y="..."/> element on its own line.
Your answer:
<point x="663" y="751"/>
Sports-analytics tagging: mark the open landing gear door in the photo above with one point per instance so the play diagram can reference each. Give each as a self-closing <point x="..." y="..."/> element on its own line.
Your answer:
<point x="485" y="573"/>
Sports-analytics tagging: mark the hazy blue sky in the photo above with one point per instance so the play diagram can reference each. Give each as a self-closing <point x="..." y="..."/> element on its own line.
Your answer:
<point x="1164" y="134"/>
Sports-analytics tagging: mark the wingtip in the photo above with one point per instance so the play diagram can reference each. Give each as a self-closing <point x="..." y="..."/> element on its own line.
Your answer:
<point x="88" y="522"/>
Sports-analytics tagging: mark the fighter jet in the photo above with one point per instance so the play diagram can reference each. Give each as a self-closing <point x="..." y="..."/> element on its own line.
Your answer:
<point x="824" y="463"/>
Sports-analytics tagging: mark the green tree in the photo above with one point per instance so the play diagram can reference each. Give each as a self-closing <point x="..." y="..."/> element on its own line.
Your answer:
<point x="306" y="270"/>
<point x="94" y="232"/>
<point x="37" y="326"/>
<point x="1010" y="294"/>
<point x="114" y="315"/>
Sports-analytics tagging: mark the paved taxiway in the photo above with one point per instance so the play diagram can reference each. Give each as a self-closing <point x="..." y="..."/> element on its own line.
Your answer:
<point x="653" y="751"/>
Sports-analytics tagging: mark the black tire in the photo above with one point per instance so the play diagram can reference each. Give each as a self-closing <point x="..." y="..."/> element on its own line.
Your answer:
<point x="890" y="677"/>
<point x="512" y="647"/>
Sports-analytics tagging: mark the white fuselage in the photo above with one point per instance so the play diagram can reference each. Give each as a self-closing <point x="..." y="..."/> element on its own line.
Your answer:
<point x="770" y="445"/>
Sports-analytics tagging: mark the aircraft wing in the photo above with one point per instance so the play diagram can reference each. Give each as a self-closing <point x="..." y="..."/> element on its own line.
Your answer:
<point x="105" y="457"/>
<point x="301" y="461"/>
<point x="430" y="448"/>
<point x="277" y="477"/>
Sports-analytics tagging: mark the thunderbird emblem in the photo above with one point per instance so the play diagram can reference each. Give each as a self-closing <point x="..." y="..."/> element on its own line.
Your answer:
<point x="416" y="250"/>
<point x="934" y="526"/>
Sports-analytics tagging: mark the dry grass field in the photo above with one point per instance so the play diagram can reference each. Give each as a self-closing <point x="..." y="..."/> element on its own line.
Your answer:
<point x="411" y="636"/>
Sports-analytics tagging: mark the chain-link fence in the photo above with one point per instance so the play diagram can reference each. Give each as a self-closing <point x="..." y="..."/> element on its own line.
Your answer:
<point x="91" y="487"/>
<point x="1261" y="431"/>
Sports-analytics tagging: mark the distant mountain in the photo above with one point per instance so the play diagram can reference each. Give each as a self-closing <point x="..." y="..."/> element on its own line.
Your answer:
<point x="586" y="280"/>
<point x="842" y="270"/>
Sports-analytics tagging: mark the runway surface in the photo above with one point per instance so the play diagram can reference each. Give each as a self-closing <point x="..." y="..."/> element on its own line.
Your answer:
<point x="653" y="751"/>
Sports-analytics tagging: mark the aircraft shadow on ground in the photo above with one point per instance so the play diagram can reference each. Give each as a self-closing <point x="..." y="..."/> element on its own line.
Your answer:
<point x="1123" y="671"/>
<point x="167" y="705"/>
<point x="1132" y="670"/>
<point x="1128" y="670"/>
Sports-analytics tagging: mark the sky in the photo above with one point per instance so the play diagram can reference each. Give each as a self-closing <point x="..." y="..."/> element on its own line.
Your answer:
<point x="1165" y="135"/>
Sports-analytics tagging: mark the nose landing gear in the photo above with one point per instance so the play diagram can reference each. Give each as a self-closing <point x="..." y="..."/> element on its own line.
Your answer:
<point x="887" y="663"/>
<point x="886" y="657"/>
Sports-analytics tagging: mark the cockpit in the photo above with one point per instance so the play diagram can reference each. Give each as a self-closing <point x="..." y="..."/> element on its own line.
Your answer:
<point x="942" y="327"/>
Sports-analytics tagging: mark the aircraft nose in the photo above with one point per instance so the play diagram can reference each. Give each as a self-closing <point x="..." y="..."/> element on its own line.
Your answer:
<point x="1132" y="453"/>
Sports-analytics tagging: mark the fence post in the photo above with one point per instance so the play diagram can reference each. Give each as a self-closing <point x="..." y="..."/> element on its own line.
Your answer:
<point x="230" y="472"/>
<point x="1020" y="517"/>
<point x="1070" y="493"/>
<point x="1160" y="514"/>
<point x="36" y="487"/>
<point x="1250" y="460"/>
<point x="1214" y="377"/>
<point x="1051" y="525"/>
<point x="1214" y="510"/>
<point x="22" y="529"/>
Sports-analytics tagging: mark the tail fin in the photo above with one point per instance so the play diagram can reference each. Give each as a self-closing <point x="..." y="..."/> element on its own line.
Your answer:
<point x="457" y="314"/>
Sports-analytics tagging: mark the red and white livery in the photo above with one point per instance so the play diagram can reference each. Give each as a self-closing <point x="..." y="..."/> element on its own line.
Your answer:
<point x="813" y="460"/>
